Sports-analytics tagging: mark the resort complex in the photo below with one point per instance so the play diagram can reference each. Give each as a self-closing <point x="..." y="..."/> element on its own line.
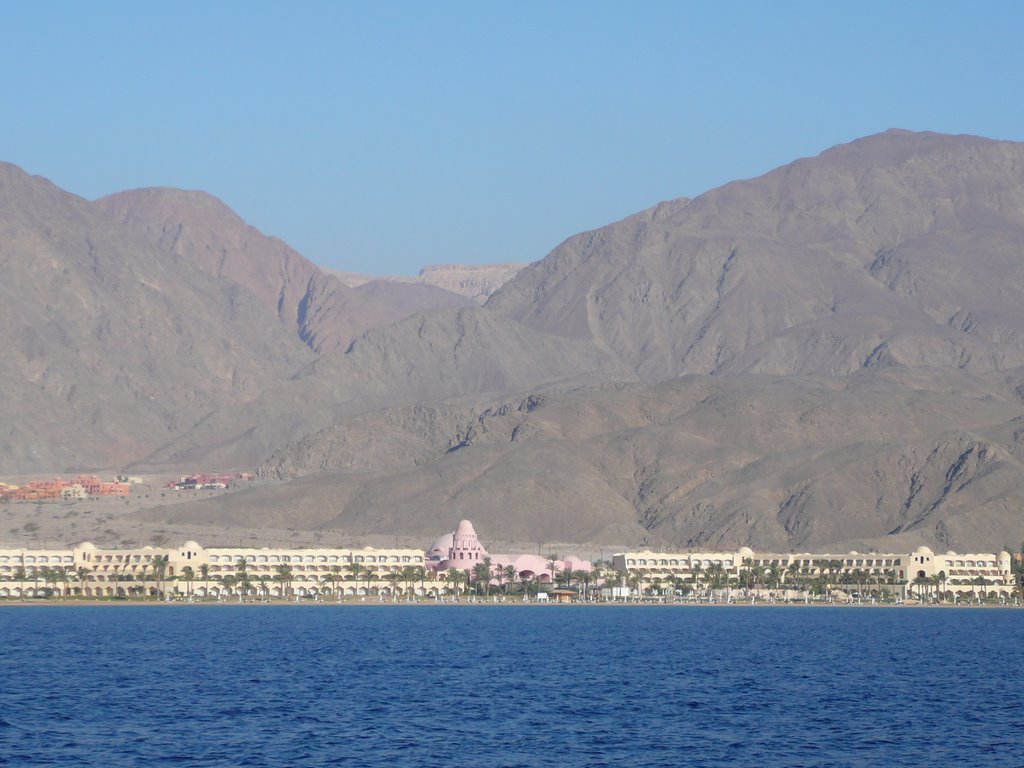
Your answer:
<point x="457" y="564"/>
<point x="921" y="573"/>
<point x="82" y="487"/>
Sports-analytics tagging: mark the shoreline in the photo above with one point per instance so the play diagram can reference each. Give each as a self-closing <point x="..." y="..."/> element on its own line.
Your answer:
<point x="480" y="604"/>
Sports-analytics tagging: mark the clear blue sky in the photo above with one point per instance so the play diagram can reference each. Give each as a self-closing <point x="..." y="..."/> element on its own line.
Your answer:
<point x="380" y="137"/>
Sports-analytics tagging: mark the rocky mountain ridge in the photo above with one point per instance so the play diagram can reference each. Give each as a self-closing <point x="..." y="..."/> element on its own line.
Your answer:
<point x="474" y="281"/>
<point x="829" y="355"/>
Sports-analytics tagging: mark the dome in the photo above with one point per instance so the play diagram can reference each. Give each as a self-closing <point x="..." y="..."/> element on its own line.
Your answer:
<point x="465" y="529"/>
<point x="923" y="551"/>
<point x="190" y="545"/>
<point x="746" y="552"/>
<point x="441" y="546"/>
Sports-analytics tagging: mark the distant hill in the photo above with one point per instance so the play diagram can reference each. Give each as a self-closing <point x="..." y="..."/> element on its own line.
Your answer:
<point x="476" y="282"/>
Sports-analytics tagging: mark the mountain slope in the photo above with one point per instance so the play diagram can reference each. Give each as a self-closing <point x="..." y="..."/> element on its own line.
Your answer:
<point x="700" y="461"/>
<point x="200" y="232"/>
<point x="110" y="348"/>
<point x="896" y="249"/>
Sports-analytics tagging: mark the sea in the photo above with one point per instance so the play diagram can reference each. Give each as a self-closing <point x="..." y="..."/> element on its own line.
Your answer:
<point x="486" y="685"/>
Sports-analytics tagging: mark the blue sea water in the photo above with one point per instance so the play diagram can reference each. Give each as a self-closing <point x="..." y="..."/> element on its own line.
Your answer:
<point x="510" y="686"/>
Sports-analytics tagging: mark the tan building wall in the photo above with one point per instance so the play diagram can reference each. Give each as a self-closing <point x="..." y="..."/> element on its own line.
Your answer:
<point x="955" y="573"/>
<point x="194" y="570"/>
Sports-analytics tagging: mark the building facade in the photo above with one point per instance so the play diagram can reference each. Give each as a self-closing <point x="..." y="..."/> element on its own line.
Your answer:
<point x="203" y="572"/>
<point x="921" y="573"/>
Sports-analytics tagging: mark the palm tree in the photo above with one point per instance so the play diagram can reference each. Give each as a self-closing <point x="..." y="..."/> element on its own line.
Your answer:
<point x="717" y="575"/>
<point x="283" y="576"/>
<point x="792" y="573"/>
<point x="482" y="577"/>
<point x="552" y="566"/>
<point x="597" y="573"/>
<point x="394" y="577"/>
<point x="46" y="574"/>
<point x="420" y="575"/>
<point x="455" y="579"/>
<point x="410" y="575"/>
<point x="160" y="565"/>
<point x="980" y="581"/>
<point x="746" y="578"/>
<point x="142" y="578"/>
<point x="940" y="582"/>
<point x="759" y="574"/>
<point x="355" y="571"/>
<point x="204" y="574"/>
<point x="532" y="586"/>
<point x="511" y="575"/>
<point x="656" y="585"/>
<point x="242" y="573"/>
<point x="64" y="575"/>
<point x="119" y="575"/>
<point x="583" y="577"/>
<point x="20" y="575"/>
<point x="921" y="581"/>
<point x="189" y="575"/>
<point x="334" y="577"/>
<point x="635" y="581"/>
<point x="81" y="575"/>
<point x="369" y="575"/>
<point x="229" y="581"/>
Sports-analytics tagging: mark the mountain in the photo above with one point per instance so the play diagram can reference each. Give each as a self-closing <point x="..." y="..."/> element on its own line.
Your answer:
<point x="155" y="329"/>
<point x="474" y="281"/>
<point x="109" y="347"/>
<point x="199" y="232"/>
<point x="827" y="356"/>
<point x="774" y="462"/>
<point x="898" y="249"/>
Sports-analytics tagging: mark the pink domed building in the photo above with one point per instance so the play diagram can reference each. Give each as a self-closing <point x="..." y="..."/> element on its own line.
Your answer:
<point x="462" y="550"/>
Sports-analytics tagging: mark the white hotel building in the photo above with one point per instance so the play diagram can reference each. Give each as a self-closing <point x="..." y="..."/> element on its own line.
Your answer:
<point x="195" y="570"/>
<point x="961" y="575"/>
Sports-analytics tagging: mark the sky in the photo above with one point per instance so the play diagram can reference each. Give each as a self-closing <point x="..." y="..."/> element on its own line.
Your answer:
<point x="380" y="137"/>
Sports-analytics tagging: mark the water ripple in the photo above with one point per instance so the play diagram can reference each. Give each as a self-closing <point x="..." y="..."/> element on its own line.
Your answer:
<point x="415" y="686"/>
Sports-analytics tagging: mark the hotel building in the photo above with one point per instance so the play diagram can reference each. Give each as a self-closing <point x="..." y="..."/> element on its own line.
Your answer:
<point x="196" y="570"/>
<point x="951" y="574"/>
